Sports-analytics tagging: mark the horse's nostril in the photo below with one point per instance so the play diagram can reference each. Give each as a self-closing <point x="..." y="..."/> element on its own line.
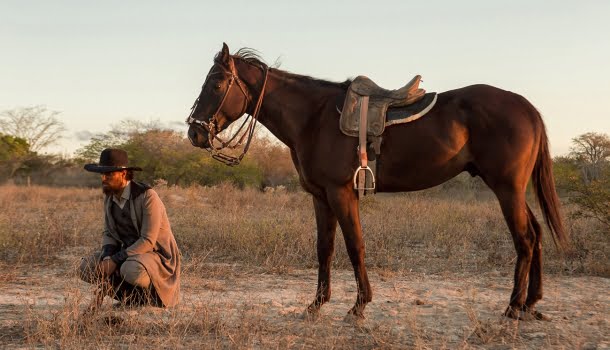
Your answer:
<point x="197" y="138"/>
<point x="192" y="135"/>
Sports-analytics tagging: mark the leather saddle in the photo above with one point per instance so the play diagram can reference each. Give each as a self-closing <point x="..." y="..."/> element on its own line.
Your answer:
<point x="380" y="100"/>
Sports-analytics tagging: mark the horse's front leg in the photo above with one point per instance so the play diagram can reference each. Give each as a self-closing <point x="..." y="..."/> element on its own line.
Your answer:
<point x="327" y="225"/>
<point x="344" y="203"/>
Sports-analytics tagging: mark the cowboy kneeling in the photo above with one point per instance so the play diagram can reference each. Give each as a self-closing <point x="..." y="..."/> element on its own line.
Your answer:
<point x="139" y="262"/>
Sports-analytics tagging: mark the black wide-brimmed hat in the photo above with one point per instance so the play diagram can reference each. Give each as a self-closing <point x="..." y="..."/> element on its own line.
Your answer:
<point x="111" y="159"/>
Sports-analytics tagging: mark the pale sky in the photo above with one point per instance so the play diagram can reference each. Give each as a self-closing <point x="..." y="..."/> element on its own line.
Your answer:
<point x="100" y="62"/>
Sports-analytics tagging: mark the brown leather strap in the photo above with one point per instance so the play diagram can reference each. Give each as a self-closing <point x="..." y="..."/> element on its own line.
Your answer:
<point x="364" y="106"/>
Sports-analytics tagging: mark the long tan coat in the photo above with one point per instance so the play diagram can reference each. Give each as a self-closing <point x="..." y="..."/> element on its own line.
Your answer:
<point x="150" y="219"/>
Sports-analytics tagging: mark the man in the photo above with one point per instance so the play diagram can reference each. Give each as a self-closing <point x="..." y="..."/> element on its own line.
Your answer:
<point x="139" y="262"/>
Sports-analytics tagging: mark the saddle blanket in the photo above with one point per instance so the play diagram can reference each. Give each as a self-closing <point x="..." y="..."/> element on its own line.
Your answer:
<point x="409" y="113"/>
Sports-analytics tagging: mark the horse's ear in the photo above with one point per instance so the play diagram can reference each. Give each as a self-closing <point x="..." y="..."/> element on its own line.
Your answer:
<point x="224" y="54"/>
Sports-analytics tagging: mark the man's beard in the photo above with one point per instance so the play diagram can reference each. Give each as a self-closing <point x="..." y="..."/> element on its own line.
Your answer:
<point x="109" y="189"/>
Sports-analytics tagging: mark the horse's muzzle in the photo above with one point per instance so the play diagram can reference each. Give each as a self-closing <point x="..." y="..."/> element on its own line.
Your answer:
<point x="198" y="137"/>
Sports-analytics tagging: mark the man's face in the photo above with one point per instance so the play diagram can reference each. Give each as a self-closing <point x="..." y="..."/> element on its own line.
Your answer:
<point x="113" y="182"/>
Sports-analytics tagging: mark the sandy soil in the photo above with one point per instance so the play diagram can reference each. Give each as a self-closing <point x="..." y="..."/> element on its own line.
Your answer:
<point x="412" y="311"/>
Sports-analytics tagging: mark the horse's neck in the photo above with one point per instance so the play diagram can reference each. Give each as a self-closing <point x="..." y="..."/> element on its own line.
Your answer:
<point x="277" y="110"/>
<point x="289" y="106"/>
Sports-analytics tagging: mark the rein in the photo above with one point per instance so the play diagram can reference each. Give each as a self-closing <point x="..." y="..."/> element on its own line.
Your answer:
<point x="212" y="126"/>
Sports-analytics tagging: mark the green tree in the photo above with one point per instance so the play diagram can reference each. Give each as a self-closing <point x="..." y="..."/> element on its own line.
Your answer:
<point x="165" y="154"/>
<point x="91" y="151"/>
<point x="118" y="136"/>
<point x="14" y="152"/>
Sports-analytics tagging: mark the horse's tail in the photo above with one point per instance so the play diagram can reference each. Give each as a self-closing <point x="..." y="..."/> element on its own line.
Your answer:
<point x="543" y="182"/>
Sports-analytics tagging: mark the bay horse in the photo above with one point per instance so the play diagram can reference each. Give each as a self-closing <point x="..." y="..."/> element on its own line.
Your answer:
<point x="488" y="132"/>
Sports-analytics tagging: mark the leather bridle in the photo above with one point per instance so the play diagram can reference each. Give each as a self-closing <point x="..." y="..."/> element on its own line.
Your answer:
<point x="212" y="125"/>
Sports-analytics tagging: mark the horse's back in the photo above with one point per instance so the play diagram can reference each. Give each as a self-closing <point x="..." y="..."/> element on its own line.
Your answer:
<point x="468" y="128"/>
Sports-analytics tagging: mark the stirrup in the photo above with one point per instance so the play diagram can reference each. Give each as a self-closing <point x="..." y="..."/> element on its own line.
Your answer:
<point x="365" y="170"/>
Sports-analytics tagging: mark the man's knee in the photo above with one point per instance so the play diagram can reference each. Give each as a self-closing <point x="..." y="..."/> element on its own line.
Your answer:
<point x="135" y="274"/>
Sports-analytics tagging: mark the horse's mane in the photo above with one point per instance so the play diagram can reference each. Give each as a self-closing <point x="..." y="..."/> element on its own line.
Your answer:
<point x="252" y="56"/>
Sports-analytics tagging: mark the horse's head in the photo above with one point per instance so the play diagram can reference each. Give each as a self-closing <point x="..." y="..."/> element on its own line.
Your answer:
<point x="224" y="98"/>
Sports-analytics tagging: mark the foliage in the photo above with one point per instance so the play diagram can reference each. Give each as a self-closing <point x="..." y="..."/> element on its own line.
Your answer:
<point x="36" y="125"/>
<point x="12" y="147"/>
<point x="166" y="154"/>
<point x="91" y="152"/>
<point x="594" y="199"/>
<point x="117" y="137"/>
<point x="584" y="176"/>
<point x="14" y="151"/>
<point x="18" y="162"/>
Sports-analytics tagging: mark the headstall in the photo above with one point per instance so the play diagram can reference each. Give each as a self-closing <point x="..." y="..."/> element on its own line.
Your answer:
<point x="212" y="126"/>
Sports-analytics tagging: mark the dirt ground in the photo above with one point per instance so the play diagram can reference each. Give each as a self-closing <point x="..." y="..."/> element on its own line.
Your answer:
<point x="234" y="307"/>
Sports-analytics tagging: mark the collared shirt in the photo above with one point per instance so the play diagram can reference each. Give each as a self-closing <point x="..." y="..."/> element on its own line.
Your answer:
<point x="124" y="196"/>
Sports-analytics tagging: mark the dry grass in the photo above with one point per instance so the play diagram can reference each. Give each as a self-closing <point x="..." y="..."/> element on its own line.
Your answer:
<point x="269" y="233"/>
<point x="417" y="232"/>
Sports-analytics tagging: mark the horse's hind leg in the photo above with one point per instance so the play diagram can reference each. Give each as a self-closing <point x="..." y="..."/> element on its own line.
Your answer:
<point x="534" y="291"/>
<point x="514" y="208"/>
<point x="327" y="225"/>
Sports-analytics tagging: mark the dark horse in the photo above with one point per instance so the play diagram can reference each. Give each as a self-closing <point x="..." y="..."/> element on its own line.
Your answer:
<point x="495" y="134"/>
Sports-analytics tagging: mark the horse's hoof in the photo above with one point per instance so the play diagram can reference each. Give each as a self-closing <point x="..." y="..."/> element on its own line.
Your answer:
<point x="525" y="314"/>
<point x="533" y="314"/>
<point x="311" y="314"/>
<point x="513" y="313"/>
<point x="354" y="317"/>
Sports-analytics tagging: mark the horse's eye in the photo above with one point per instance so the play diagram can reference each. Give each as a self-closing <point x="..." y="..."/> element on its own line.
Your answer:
<point x="217" y="86"/>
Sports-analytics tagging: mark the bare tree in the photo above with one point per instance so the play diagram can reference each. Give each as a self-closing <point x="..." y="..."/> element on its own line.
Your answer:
<point x="37" y="125"/>
<point x="592" y="152"/>
<point x="591" y="147"/>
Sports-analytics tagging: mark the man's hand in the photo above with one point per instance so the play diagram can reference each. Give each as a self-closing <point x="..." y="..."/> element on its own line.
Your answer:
<point x="107" y="267"/>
